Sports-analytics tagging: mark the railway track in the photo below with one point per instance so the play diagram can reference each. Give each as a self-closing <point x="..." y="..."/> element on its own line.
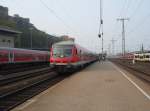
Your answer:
<point x="21" y="96"/>
<point x="19" y="87"/>
<point x="141" y="70"/>
<point x="7" y="79"/>
<point x="16" y="88"/>
<point x="6" y="69"/>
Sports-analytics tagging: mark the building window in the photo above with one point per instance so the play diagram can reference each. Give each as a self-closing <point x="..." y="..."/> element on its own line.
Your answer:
<point x="9" y="41"/>
<point x="3" y="40"/>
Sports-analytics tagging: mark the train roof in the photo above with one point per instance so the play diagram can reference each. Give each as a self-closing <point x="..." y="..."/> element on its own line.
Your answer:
<point x="69" y="42"/>
<point x="19" y="49"/>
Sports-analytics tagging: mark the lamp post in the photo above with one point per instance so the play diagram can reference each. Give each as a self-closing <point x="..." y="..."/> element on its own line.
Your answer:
<point x="100" y="34"/>
<point x="31" y="37"/>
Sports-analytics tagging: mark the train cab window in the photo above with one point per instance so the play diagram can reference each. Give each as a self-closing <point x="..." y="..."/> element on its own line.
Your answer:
<point x="68" y="52"/>
<point x="62" y="51"/>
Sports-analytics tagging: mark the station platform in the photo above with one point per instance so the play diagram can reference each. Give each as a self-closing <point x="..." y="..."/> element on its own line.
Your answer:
<point x="99" y="87"/>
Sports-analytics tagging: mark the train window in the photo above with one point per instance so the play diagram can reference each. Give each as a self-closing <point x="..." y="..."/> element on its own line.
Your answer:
<point x="141" y="57"/>
<point x="80" y="52"/>
<point x="136" y="56"/>
<point x="3" y="55"/>
<point x="16" y="55"/>
<point x="9" y="41"/>
<point x="147" y="56"/>
<point x="76" y="51"/>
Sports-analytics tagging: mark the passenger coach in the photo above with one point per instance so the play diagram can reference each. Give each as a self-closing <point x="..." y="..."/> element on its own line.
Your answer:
<point x="16" y="55"/>
<point x="67" y="54"/>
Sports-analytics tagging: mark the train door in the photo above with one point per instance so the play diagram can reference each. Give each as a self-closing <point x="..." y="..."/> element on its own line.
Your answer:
<point x="11" y="56"/>
<point x="80" y="55"/>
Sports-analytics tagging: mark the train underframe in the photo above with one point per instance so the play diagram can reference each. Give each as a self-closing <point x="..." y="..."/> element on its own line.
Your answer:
<point x="68" y="67"/>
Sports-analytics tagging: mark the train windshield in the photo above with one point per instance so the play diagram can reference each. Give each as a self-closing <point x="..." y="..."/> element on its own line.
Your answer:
<point x="62" y="51"/>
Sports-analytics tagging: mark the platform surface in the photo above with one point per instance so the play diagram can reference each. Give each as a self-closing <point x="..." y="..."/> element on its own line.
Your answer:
<point x="99" y="87"/>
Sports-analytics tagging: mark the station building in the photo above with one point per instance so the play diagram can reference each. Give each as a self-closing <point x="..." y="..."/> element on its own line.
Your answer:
<point x="8" y="37"/>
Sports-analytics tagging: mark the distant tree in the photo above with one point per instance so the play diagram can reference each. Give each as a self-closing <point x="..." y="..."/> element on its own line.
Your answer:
<point x="7" y="23"/>
<point x="40" y="39"/>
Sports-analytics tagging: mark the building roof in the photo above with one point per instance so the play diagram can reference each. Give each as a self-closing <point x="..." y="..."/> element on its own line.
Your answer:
<point x="9" y="30"/>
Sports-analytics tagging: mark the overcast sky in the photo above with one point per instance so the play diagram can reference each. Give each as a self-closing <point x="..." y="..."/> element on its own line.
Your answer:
<point x="80" y="19"/>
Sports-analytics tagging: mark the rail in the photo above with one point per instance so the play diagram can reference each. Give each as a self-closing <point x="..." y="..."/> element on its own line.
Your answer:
<point x="140" y="69"/>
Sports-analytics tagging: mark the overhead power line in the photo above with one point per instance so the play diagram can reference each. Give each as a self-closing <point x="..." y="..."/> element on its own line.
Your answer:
<point x="53" y="12"/>
<point x="123" y="34"/>
<point x="123" y="8"/>
<point x="137" y="8"/>
<point x="140" y="24"/>
<point x="120" y="14"/>
<point x="65" y="10"/>
<point x="128" y="6"/>
<point x="100" y="35"/>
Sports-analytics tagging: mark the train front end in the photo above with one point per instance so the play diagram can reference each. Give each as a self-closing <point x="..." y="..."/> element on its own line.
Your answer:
<point x="63" y="55"/>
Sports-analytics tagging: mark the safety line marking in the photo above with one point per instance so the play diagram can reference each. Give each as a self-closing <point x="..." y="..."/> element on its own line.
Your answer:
<point x="29" y="102"/>
<point x="129" y="79"/>
<point x="36" y="98"/>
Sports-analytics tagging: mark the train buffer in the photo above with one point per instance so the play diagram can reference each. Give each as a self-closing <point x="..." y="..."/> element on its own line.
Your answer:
<point x="99" y="87"/>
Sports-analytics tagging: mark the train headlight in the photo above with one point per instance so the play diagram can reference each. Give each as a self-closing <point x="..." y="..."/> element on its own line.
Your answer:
<point x="62" y="56"/>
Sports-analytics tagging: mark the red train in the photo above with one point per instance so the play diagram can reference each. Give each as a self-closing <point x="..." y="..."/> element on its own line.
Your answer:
<point x="67" y="54"/>
<point x="127" y="56"/>
<point x="16" y="55"/>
